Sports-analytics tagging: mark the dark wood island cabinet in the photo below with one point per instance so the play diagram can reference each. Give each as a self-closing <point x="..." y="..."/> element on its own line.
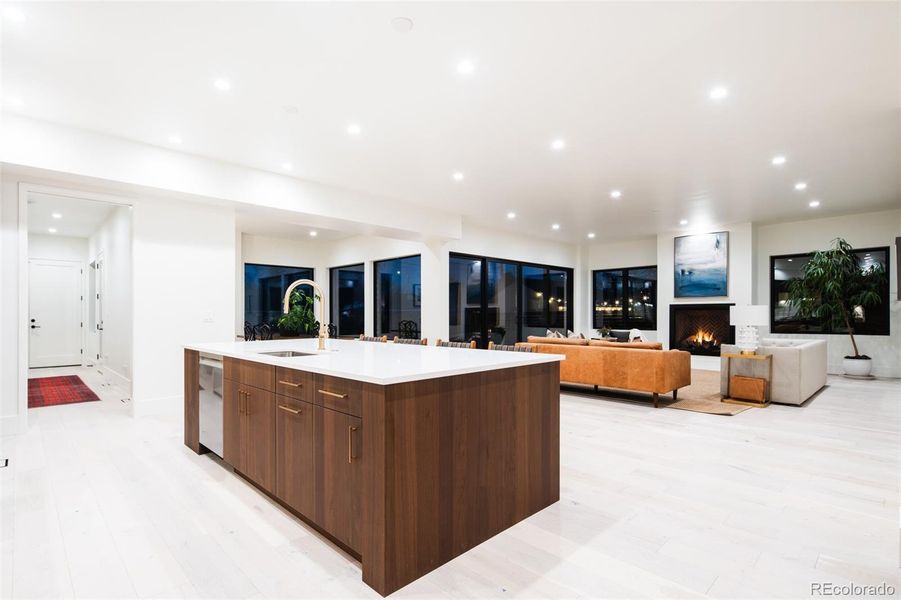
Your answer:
<point x="404" y="476"/>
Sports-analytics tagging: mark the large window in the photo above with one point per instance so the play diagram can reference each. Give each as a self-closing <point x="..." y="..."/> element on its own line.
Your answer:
<point x="398" y="296"/>
<point x="625" y="298"/>
<point x="873" y="320"/>
<point x="346" y="295"/>
<point x="505" y="301"/>
<point x="264" y="291"/>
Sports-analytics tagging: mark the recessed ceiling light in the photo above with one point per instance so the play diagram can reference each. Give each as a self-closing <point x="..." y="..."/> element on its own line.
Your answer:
<point x="13" y="14"/>
<point x="402" y="24"/>
<point x="56" y="215"/>
<point x="314" y="233"/>
<point x="801" y="186"/>
<point x="591" y="236"/>
<point x="51" y="230"/>
<point x="615" y="194"/>
<point x="511" y="215"/>
<point x="174" y="139"/>
<point x="287" y="166"/>
<point x="290" y="109"/>
<point x="683" y="222"/>
<point x="466" y="67"/>
<point x="813" y="203"/>
<point x="15" y="101"/>
<point x="778" y="160"/>
<point x="719" y="93"/>
<point x="458" y="176"/>
<point x="790" y="260"/>
<point x="222" y="84"/>
<point x="558" y="144"/>
<point x="555" y="226"/>
<point x="354" y="129"/>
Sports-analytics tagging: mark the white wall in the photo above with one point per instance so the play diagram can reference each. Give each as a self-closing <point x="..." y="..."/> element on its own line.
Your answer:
<point x="10" y="418"/>
<point x="862" y="231"/>
<point x="184" y="290"/>
<point x="112" y="241"/>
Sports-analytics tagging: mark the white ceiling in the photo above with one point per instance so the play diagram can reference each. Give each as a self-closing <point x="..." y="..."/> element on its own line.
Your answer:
<point x="78" y="218"/>
<point x="625" y="84"/>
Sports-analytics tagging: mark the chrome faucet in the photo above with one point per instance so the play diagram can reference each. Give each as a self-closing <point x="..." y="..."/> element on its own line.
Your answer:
<point x="323" y="326"/>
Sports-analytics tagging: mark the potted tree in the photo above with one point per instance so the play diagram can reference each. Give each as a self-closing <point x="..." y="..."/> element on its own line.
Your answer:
<point x="300" y="320"/>
<point x="833" y="285"/>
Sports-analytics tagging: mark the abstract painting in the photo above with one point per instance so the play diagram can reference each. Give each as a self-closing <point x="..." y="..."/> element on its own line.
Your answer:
<point x="702" y="265"/>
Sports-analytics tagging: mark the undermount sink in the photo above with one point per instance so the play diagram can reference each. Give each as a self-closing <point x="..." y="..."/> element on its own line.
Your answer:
<point x="287" y="353"/>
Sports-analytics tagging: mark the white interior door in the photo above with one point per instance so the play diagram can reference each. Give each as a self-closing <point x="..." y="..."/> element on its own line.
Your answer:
<point x="55" y="313"/>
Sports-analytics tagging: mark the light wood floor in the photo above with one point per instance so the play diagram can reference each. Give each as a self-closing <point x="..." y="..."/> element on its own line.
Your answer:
<point x="654" y="503"/>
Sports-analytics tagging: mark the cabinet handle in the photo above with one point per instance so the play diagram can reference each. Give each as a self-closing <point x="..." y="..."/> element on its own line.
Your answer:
<point x="246" y="403"/>
<point x="350" y="443"/>
<point x="293" y="411"/>
<point x="290" y="383"/>
<point x="240" y="402"/>
<point x="333" y="394"/>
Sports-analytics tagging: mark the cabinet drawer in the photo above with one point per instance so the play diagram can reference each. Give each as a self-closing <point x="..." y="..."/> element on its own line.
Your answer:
<point x="294" y="383"/>
<point x="344" y="395"/>
<point x="250" y="373"/>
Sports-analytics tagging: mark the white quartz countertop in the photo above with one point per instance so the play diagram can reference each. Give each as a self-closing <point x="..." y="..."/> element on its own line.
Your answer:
<point x="376" y="362"/>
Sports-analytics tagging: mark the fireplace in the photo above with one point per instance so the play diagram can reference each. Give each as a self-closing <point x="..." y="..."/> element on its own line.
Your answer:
<point x="700" y="328"/>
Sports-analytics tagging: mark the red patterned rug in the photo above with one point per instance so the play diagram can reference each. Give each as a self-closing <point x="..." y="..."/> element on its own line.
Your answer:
<point x="49" y="391"/>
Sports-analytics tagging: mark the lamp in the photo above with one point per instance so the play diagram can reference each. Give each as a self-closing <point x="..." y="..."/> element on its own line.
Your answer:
<point x="747" y="319"/>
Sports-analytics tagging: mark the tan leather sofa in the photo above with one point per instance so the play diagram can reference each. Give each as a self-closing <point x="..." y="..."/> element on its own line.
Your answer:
<point x="638" y="366"/>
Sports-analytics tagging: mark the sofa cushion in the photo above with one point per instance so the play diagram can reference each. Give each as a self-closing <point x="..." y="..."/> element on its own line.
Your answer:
<point x="532" y="339"/>
<point x="640" y="345"/>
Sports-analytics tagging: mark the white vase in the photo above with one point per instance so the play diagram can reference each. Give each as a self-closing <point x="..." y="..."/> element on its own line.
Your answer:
<point x="857" y="367"/>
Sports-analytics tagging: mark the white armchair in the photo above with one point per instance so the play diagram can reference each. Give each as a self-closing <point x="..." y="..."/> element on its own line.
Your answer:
<point x="799" y="368"/>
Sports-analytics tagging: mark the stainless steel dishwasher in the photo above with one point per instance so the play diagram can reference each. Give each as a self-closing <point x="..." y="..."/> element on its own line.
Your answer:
<point x="211" y="394"/>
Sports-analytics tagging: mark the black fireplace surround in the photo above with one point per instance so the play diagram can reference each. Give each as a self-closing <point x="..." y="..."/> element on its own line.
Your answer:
<point x="700" y="328"/>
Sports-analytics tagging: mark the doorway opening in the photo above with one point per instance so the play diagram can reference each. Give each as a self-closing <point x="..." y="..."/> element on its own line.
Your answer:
<point x="79" y="300"/>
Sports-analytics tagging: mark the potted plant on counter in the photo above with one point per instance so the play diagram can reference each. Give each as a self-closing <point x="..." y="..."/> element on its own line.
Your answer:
<point x="300" y="320"/>
<point x="833" y="285"/>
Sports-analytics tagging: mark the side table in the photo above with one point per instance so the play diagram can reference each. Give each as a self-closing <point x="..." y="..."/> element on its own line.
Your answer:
<point x="730" y="356"/>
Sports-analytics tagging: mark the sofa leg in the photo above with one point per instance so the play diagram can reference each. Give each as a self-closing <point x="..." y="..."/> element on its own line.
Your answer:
<point x="656" y="399"/>
<point x="595" y="388"/>
<point x="675" y="394"/>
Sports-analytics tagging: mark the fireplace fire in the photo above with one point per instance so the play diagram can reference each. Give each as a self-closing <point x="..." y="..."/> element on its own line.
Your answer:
<point x="703" y="340"/>
<point x="700" y="328"/>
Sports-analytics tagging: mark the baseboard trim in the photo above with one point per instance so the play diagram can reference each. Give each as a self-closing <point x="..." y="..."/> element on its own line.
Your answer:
<point x="112" y="372"/>
<point x="161" y="405"/>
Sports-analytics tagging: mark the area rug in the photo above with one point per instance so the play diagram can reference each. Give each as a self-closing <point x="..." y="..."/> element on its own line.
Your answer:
<point x="51" y="391"/>
<point x="703" y="395"/>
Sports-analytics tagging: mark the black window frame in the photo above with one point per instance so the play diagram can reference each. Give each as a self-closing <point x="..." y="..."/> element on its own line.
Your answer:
<point x="884" y="306"/>
<point x="244" y="265"/>
<point x="333" y="305"/>
<point x="375" y="289"/>
<point x="483" y="304"/>
<point x="626" y="320"/>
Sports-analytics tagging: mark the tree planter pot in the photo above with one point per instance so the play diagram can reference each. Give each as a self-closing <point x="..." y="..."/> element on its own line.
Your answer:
<point x="857" y="367"/>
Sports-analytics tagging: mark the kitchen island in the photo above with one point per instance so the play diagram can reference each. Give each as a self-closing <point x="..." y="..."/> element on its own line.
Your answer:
<point x="405" y="456"/>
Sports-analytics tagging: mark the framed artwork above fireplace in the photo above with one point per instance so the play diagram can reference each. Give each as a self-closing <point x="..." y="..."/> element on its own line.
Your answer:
<point x="701" y="265"/>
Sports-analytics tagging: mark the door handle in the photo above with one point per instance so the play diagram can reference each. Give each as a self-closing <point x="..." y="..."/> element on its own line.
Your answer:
<point x="35" y="326"/>
<point x="293" y="411"/>
<point x="333" y="394"/>
<point x="350" y="443"/>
